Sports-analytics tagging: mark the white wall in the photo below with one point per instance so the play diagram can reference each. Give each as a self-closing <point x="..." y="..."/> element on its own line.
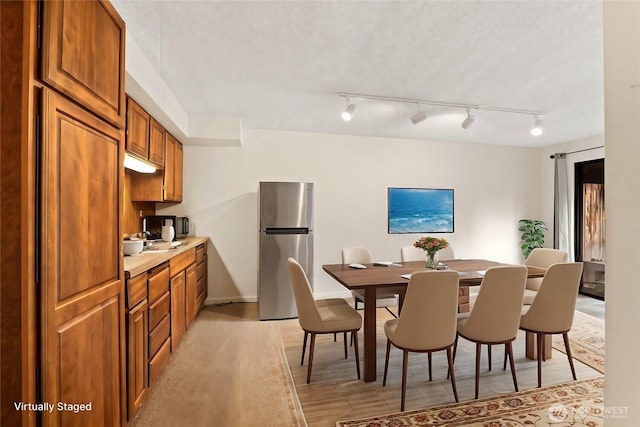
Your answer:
<point x="622" y="200"/>
<point x="495" y="186"/>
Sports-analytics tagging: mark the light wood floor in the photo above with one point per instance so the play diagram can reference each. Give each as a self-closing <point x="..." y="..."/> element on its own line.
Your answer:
<point x="335" y="393"/>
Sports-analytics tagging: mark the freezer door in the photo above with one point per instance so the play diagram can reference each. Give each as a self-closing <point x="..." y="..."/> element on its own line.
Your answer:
<point x="275" y="294"/>
<point x="286" y="205"/>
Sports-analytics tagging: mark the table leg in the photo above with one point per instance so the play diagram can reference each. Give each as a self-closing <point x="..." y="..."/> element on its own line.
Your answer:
<point x="531" y="347"/>
<point x="370" y="334"/>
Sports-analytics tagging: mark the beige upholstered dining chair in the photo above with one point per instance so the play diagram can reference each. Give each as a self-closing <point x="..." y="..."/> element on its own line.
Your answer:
<point x="553" y="309"/>
<point x="540" y="257"/>
<point x="384" y="297"/>
<point x="495" y="316"/>
<point x="427" y="322"/>
<point x="326" y="316"/>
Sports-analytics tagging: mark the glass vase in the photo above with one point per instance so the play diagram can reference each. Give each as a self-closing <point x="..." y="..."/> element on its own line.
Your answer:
<point x="431" y="261"/>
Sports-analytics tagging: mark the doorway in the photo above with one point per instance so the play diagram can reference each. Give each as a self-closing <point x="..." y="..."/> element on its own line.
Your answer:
<point x="590" y="226"/>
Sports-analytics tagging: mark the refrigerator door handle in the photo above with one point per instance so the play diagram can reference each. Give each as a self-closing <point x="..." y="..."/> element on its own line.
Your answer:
<point x="303" y="230"/>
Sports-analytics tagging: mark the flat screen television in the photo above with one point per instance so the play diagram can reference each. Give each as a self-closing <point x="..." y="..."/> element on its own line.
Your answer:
<point x="420" y="210"/>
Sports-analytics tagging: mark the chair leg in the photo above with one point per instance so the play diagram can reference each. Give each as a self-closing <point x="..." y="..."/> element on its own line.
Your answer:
<point x="386" y="363"/>
<point x="345" y="345"/>
<point x="504" y="363"/>
<point x="565" y="336"/>
<point x="405" y="362"/>
<point x="429" y="366"/>
<point x="304" y="347"/>
<point x="311" y="348"/>
<point x="489" y="354"/>
<point x="455" y="348"/>
<point x="509" y="349"/>
<point x="540" y="341"/>
<point x="451" y="373"/>
<point x="354" y="337"/>
<point x="335" y="337"/>
<point x="400" y="302"/>
<point x="478" y="354"/>
<point x="391" y="312"/>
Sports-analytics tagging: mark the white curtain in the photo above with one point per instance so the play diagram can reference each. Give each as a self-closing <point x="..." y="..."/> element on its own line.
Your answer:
<point x="561" y="239"/>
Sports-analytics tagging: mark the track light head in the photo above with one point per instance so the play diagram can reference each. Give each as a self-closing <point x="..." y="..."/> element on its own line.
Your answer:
<point x="468" y="121"/>
<point x="538" y="126"/>
<point x="418" y="117"/>
<point x="347" y="114"/>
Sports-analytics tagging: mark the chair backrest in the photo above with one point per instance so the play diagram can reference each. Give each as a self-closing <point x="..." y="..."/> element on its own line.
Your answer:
<point x="308" y="314"/>
<point x="411" y="253"/>
<point x="543" y="257"/>
<point x="356" y="255"/>
<point x="495" y="316"/>
<point x="429" y="313"/>
<point x="553" y="308"/>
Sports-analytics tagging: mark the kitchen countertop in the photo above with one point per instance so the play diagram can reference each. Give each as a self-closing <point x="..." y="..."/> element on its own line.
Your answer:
<point x="136" y="264"/>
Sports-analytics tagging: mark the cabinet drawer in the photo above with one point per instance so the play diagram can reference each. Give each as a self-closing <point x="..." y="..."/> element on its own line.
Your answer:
<point x="158" y="310"/>
<point x="158" y="282"/>
<point x="201" y="250"/>
<point x="182" y="261"/>
<point x="136" y="290"/>
<point x="159" y="361"/>
<point x="201" y="270"/>
<point x="200" y="286"/>
<point x="158" y="336"/>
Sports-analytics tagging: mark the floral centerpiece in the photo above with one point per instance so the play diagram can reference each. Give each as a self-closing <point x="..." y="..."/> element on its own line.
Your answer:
<point x="431" y="245"/>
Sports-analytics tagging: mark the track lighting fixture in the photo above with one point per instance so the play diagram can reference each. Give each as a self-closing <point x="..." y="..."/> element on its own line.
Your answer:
<point x="420" y="116"/>
<point x="468" y="121"/>
<point x="347" y="114"/>
<point x="537" y="128"/>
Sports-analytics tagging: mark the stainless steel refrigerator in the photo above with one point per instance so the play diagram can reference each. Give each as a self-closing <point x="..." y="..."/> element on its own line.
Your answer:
<point x="286" y="230"/>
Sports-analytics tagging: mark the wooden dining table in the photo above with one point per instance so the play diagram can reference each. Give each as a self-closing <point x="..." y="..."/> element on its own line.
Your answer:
<point x="374" y="277"/>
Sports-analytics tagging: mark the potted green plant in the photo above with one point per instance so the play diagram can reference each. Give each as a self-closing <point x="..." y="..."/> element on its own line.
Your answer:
<point x="532" y="235"/>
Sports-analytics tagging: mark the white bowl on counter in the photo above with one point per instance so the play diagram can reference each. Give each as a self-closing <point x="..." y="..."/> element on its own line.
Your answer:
<point x="132" y="247"/>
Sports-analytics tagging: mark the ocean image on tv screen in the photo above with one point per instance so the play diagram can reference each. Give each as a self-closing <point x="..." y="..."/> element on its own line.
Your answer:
<point x="420" y="210"/>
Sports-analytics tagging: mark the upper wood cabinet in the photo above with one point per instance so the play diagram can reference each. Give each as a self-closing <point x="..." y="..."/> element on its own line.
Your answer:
<point x="145" y="136"/>
<point x="164" y="185"/>
<point x="83" y="45"/>
<point x="156" y="142"/>
<point x="137" y="140"/>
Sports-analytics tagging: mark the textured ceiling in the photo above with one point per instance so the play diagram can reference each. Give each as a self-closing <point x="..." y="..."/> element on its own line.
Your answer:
<point x="279" y="64"/>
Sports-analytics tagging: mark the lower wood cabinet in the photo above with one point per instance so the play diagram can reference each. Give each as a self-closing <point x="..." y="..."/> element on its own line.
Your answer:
<point x="178" y="320"/>
<point x="191" y="296"/>
<point x="137" y="383"/>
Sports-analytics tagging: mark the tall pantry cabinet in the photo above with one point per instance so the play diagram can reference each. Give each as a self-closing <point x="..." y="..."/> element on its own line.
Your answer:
<point x="72" y="112"/>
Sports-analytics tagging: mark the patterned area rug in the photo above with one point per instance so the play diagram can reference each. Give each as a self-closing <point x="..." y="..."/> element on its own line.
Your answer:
<point x="578" y="403"/>
<point x="587" y="341"/>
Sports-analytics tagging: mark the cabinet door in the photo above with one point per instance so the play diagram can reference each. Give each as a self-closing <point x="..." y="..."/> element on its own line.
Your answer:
<point x="177" y="173"/>
<point x="137" y="357"/>
<point x="156" y="143"/>
<point x="82" y="297"/>
<point x="178" y="323"/>
<point x="83" y="55"/>
<point x="137" y="140"/>
<point x="169" y="170"/>
<point x="191" y="300"/>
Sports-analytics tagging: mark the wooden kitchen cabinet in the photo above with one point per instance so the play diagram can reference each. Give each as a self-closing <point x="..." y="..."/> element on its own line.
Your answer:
<point x="64" y="327"/>
<point x="156" y="143"/>
<point x="137" y="355"/>
<point x="159" y="320"/>
<point x="165" y="185"/>
<point x="137" y="140"/>
<point x="201" y="275"/>
<point x="83" y="347"/>
<point x="83" y="54"/>
<point x="178" y="321"/>
<point x="191" y="294"/>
